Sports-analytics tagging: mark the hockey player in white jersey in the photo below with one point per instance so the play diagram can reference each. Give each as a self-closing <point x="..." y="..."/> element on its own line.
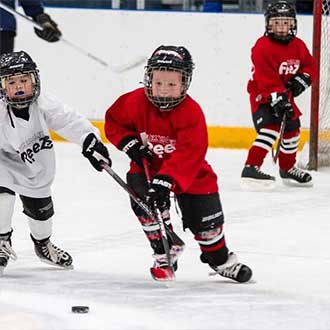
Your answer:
<point x="27" y="158"/>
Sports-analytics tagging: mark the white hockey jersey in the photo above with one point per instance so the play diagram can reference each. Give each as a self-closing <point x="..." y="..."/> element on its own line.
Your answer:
<point x="27" y="156"/>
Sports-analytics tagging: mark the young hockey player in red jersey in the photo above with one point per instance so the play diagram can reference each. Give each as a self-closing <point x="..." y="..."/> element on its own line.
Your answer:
<point x="283" y="68"/>
<point x="163" y="125"/>
<point x="27" y="156"/>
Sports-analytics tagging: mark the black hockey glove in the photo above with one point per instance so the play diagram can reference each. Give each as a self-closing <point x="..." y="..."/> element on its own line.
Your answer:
<point x="159" y="192"/>
<point x="50" y="31"/>
<point x="95" y="151"/>
<point x="299" y="83"/>
<point x="280" y="105"/>
<point x="135" y="150"/>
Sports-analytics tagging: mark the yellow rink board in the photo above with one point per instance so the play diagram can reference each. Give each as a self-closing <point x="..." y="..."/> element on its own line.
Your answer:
<point x="219" y="136"/>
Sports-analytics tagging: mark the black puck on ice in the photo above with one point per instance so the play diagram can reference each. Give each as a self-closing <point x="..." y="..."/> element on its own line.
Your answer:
<point x="80" y="309"/>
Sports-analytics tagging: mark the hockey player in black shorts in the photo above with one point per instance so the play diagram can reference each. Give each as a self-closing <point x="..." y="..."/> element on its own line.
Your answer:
<point x="163" y="125"/>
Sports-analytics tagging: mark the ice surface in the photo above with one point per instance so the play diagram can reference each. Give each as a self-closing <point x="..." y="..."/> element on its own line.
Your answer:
<point x="283" y="235"/>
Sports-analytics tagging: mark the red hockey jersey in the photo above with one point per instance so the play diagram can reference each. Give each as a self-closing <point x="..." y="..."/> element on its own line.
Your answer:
<point x="177" y="138"/>
<point x="273" y="65"/>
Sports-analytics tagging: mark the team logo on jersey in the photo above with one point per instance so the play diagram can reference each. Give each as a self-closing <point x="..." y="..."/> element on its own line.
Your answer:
<point x="289" y="67"/>
<point x="36" y="144"/>
<point x="159" y="144"/>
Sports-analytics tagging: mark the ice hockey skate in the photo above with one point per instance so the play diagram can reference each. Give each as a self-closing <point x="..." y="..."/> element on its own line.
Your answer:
<point x="6" y="252"/>
<point x="252" y="178"/>
<point x="296" y="177"/>
<point x="161" y="271"/>
<point x="233" y="269"/>
<point x="51" y="254"/>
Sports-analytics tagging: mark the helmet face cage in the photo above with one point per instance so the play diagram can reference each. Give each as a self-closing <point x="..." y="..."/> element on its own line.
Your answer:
<point x="168" y="58"/>
<point x="277" y="10"/>
<point x="18" y="63"/>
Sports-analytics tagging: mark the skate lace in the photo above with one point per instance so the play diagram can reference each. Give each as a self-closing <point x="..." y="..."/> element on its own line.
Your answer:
<point x="52" y="252"/>
<point x="161" y="259"/>
<point x="296" y="172"/>
<point x="260" y="171"/>
<point x="6" y="250"/>
<point x="226" y="268"/>
<point x="231" y="272"/>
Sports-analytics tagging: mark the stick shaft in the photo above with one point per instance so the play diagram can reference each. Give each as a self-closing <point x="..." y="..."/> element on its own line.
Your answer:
<point x="114" y="68"/>
<point x="159" y="218"/>
<point x="277" y="150"/>
<point x="67" y="42"/>
<point x="16" y="13"/>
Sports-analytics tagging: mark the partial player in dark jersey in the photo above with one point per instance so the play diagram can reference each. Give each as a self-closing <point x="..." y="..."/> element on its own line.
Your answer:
<point x="33" y="9"/>
<point x="283" y="68"/>
<point x="163" y="125"/>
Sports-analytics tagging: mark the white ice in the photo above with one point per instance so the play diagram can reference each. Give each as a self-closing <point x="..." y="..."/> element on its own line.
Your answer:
<point x="283" y="235"/>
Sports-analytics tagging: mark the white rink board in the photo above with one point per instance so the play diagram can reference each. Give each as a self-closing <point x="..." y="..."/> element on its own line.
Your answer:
<point x="220" y="45"/>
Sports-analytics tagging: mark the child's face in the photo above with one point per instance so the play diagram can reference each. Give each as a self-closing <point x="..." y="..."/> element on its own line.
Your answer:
<point x="280" y="26"/>
<point x="19" y="87"/>
<point x="166" y="83"/>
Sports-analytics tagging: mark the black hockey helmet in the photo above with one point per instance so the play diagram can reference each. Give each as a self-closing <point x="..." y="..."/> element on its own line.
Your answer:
<point x="281" y="8"/>
<point x="169" y="58"/>
<point x="17" y="63"/>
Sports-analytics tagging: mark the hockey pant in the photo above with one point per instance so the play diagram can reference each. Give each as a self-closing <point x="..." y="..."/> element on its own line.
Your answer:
<point x="268" y="127"/>
<point x="39" y="212"/>
<point x="203" y="216"/>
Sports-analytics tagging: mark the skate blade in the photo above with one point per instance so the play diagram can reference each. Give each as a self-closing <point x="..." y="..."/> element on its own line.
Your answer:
<point x="70" y="267"/>
<point x="249" y="184"/>
<point x="162" y="274"/>
<point x="294" y="183"/>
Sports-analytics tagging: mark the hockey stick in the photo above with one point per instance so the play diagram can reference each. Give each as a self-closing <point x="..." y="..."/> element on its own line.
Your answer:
<point x="116" y="69"/>
<point x="173" y="236"/>
<point x="277" y="150"/>
<point x="159" y="219"/>
<point x="131" y="192"/>
<point x="170" y="233"/>
<point x="137" y="199"/>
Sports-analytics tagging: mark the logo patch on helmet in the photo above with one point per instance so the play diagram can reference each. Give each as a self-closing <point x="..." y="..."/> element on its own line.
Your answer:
<point x="168" y="52"/>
